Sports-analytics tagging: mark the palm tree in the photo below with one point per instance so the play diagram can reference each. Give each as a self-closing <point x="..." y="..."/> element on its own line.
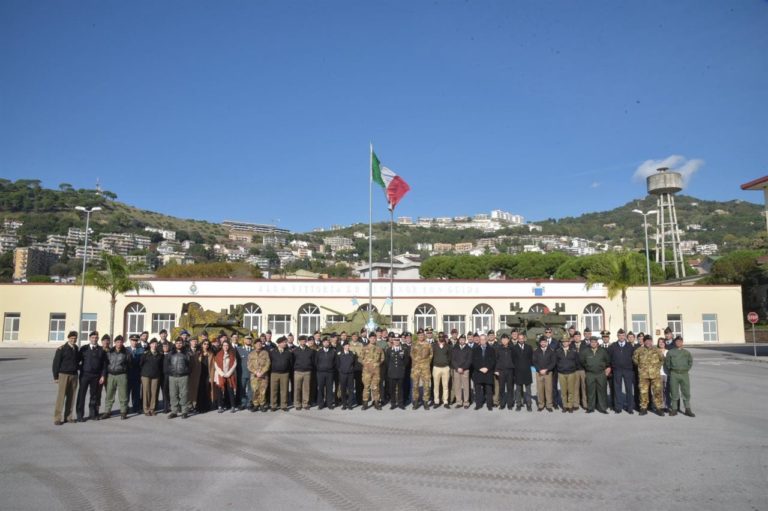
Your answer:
<point x="115" y="280"/>
<point x="618" y="272"/>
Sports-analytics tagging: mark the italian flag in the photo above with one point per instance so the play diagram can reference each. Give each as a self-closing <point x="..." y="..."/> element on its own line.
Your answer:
<point x="394" y="186"/>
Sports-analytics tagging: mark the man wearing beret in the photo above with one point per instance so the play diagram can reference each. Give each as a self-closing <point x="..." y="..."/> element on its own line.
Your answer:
<point x="65" y="364"/>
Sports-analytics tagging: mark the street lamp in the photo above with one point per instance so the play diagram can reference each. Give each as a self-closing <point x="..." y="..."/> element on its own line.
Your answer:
<point x="85" y="259"/>
<point x="648" y="263"/>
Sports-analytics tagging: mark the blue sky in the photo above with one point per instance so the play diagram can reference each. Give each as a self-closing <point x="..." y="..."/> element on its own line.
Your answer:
<point x="263" y="111"/>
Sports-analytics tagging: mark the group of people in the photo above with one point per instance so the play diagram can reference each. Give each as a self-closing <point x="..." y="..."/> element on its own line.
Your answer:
<point x="371" y="369"/>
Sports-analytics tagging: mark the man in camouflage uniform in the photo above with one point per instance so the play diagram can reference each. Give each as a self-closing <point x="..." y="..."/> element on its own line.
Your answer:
<point x="258" y="366"/>
<point x="421" y="374"/>
<point x="649" y="360"/>
<point x="372" y="358"/>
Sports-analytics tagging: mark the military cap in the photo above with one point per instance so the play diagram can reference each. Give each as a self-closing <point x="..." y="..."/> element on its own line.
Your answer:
<point x="72" y="334"/>
<point x="94" y="333"/>
<point x="257" y="340"/>
<point x="587" y="330"/>
<point x="504" y="336"/>
<point x="334" y="334"/>
<point x="420" y="331"/>
<point x="282" y="338"/>
<point x="678" y="338"/>
<point x="594" y="338"/>
<point x="621" y="331"/>
<point x="392" y="335"/>
<point x="371" y="334"/>
<point x="630" y="333"/>
<point x="248" y="336"/>
<point x="406" y="334"/>
<point x="105" y="336"/>
<point x="648" y="337"/>
<point x="133" y="337"/>
<point x="491" y="332"/>
<point x="378" y="329"/>
<point x="428" y="329"/>
<point x="605" y="333"/>
<point x="153" y="340"/>
<point x="118" y="338"/>
<point x="184" y="332"/>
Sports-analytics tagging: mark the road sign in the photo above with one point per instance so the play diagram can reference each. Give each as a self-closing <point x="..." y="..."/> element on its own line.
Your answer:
<point x="752" y="317"/>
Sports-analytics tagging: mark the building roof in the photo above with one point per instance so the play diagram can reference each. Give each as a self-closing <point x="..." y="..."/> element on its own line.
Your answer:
<point x="757" y="184"/>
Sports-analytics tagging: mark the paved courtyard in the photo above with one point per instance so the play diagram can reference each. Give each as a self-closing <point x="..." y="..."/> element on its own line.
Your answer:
<point x="420" y="460"/>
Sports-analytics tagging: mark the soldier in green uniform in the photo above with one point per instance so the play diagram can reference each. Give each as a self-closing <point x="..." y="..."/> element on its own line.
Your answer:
<point x="649" y="360"/>
<point x="597" y="363"/>
<point x="677" y="364"/>
<point x="258" y="365"/>
<point x="421" y="374"/>
<point x="372" y="358"/>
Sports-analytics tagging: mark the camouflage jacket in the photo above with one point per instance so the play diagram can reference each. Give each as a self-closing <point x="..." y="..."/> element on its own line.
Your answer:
<point x="258" y="362"/>
<point x="372" y="357"/>
<point x="648" y="362"/>
<point x="421" y="354"/>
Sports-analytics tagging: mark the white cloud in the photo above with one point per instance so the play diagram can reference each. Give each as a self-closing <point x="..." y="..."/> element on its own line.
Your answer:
<point x="676" y="163"/>
<point x="595" y="184"/>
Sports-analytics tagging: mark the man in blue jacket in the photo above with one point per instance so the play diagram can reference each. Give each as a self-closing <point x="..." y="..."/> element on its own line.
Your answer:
<point x="623" y="370"/>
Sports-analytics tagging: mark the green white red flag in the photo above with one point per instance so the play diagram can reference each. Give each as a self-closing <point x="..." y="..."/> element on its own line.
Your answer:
<point x="394" y="186"/>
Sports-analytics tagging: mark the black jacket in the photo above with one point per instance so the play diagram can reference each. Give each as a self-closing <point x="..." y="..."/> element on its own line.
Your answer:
<point x="303" y="359"/>
<point x="523" y="359"/>
<point x="544" y="359"/>
<point x="567" y="361"/>
<point x="346" y="362"/>
<point x="325" y="361"/>
<point x="480" y="360"/>
<point x="504" y="360"/>
<point x="93" y="360"/>
<point x="152" y="365"/>
<point x="280" y="362"/>
<point x="396" y="362"/>
<point x="461" y="358"/>
<point x="66" y="360"/>
<point x="621" y="358"/>
<point x="178" y="364"/>
<point x="119" y="361"/>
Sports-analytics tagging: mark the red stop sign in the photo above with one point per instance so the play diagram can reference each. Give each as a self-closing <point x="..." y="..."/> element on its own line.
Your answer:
<point x="752" y="317"/>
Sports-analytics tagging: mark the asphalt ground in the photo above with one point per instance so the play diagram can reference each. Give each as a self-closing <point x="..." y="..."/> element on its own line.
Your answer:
<point x="422" y="460"/>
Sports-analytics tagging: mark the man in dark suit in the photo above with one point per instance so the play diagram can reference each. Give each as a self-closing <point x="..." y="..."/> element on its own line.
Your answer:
<point x="396" y="361"/>
<point x="483" y="363"/>
<point x="93" y="372"/>
<point x="623" y="371"/>
<point x="522" y="359"/>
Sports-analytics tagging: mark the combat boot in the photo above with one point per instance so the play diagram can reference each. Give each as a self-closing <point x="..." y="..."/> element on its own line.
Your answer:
<point x="365" y="405"/>
<point x="105" y="415"/>
<point x="672" y="412"/>
<point x="643" y="411"/>
<point x="689" y="413"/>
<point x="659" y="413"/>
<point x="377" y="405"/>
<point x="415" y="406"/>
<point x="426" y="406"/>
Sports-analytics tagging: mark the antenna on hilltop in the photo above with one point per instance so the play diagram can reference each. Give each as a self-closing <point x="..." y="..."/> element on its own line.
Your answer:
<point x="98" y="187"/>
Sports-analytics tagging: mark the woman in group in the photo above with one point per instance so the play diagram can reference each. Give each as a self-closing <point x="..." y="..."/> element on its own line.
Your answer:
<point x="225" y="364"/>
<point x="205" y="390"/>
<point x="662" y="345"/>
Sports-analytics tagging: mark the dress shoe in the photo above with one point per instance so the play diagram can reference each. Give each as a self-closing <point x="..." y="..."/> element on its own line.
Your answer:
<point x="617" y="412"/>
<point x="550" y="410"/>
<point x="220" y="410"/>
<point x="343" y="407"/>
<point x="446" y="405"/>
<point x="123" y="416"/>
<point x="631" y="411"/>
<point x="415" y="406"/>
<point x="232" y="410"/>
<point x="672" y="413"/>
<point x="501" y="407"/>
<point x="80" y="419"/>
<point x="518" y="408"/>
<point x="603" y="411"/>
<point x="402" y="407"/>
<point x="173" y="415"/>
<point x="392" y="406"/>
<point x="590" y="410"/>
<point x="563" y="410"/>
<point x="466" y="407"/>
<point x="529" y="408"/>
<point x="689" y="413"/>
<point x="265" y="408"/>
<point x="255" y="409"/>
<point x="478" y="407"/>
<point x="105" y="415"/>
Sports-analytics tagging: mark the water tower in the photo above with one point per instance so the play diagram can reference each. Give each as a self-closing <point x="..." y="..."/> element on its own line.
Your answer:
<point x="664" y="185"/>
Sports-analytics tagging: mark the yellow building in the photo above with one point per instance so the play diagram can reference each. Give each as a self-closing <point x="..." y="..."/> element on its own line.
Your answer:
<point x="38" y="314"/>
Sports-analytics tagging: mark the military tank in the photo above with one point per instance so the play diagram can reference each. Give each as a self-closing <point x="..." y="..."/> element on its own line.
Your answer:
<point x="534" y="324"/>
<point x="354" y="321"/>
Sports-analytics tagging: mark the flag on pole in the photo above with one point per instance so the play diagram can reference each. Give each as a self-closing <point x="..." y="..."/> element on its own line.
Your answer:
<point x="394" y="186"/>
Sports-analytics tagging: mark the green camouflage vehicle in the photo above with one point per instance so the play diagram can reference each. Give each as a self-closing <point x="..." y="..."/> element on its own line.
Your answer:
<point x="355" y="321"/>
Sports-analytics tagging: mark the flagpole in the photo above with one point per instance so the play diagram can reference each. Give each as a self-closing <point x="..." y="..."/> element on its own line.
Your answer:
<point x="391" y="262"/>
<point x="370" y="236"/>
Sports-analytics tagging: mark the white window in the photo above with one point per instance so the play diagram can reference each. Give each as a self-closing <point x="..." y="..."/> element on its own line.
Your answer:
<point x="451" y="321"/>
<point x="400" y="323"/>
<point x="163" y="321"/>
<point x="87" y="325"/>
<point x="538" y="308"/>
<point x="675" y="323"/>
<point x="593" y="318"/>
<point x="134" y="318"/>
<point x="639" y="323"/>
<point x="309" y="319"/>
<point x="710" y="326"/>
<point x="11" y="324"/>
<point x="334" y="319"/>
<point x="503" y="320"/>
<point x="424" y="316"/>
<point x="57" y="326"/>
<point x="252" y="317"/>
<point x="571" y="320"/>
<point x="482" y="319"/>
<point x="279" y="324"/>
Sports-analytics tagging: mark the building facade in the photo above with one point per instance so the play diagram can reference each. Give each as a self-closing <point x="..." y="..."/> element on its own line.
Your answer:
<point x="35" y="314"/>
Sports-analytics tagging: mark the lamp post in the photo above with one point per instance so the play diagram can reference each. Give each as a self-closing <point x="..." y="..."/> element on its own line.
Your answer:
<point x="85" y="260"/>
<point x="648" y="264"/>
